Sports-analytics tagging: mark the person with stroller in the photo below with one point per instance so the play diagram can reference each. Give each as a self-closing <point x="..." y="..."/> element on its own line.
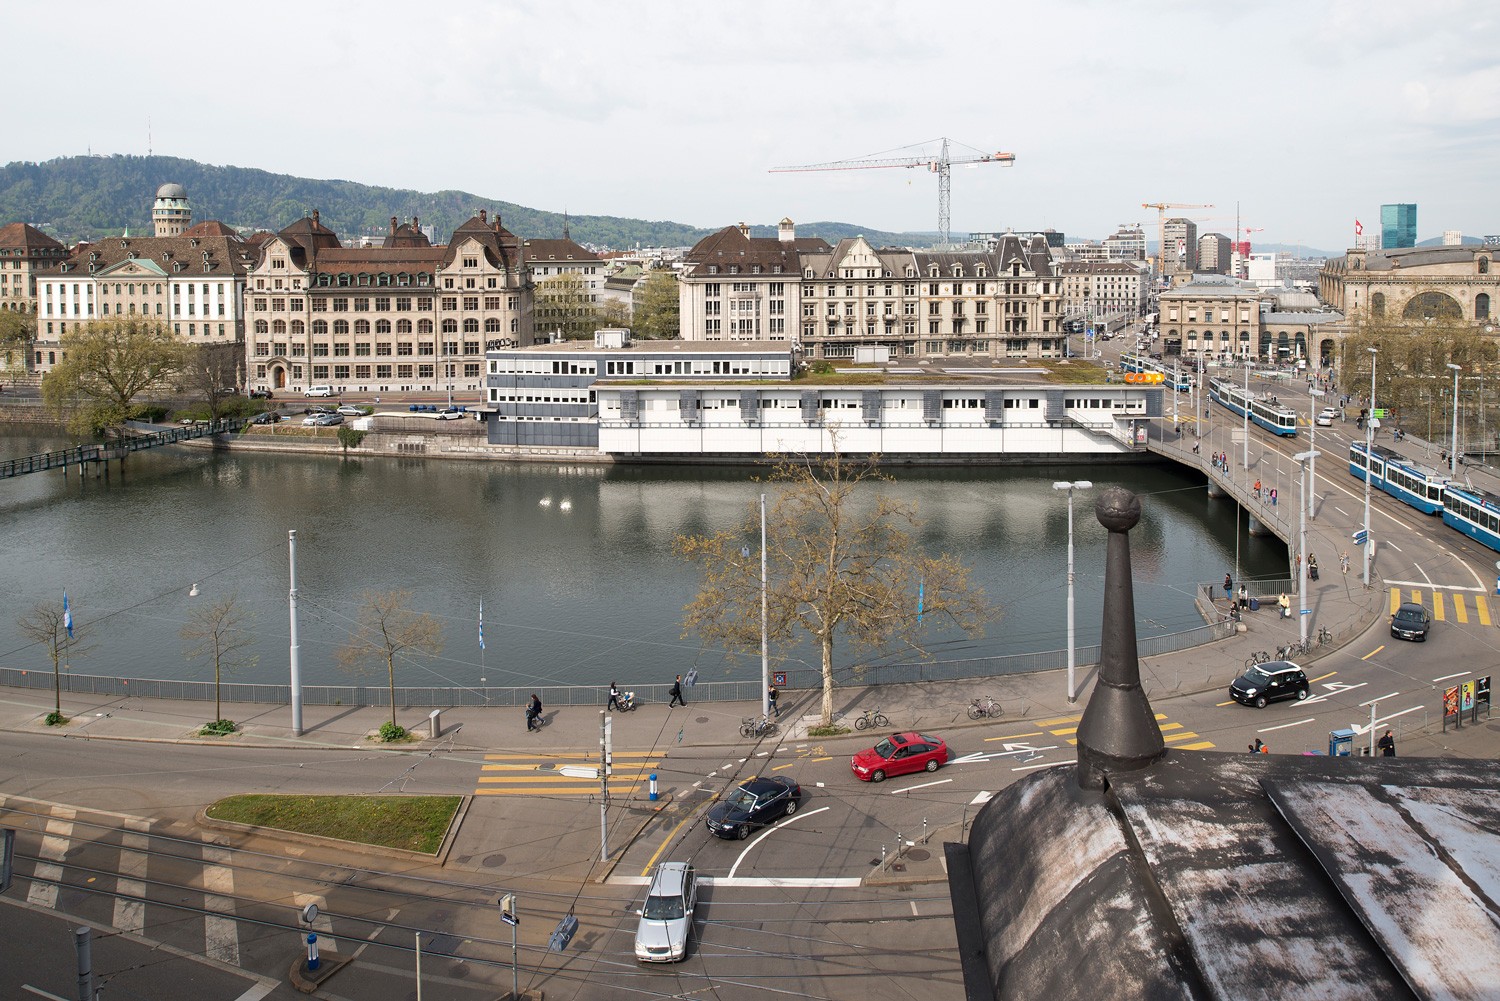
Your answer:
<point x="1312" y="566"/>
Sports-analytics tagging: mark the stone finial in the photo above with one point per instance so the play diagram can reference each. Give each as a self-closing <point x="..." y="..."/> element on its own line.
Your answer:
<point x="1118" y="731"/>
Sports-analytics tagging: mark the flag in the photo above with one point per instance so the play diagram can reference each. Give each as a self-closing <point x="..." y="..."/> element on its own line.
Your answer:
<point x="67" y="616"/>
<point x="1359" y="228"/>
<point x="481" y="623"/>
<point x="921" y="596"/>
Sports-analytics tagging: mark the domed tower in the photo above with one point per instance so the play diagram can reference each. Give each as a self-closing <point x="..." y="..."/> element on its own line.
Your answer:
<point x="171" y="214"/>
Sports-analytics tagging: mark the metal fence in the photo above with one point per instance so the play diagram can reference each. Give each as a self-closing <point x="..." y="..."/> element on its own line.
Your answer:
<point x="595" y="695"/>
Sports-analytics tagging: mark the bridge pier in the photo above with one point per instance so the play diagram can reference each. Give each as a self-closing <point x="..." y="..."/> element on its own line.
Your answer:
<point x="1254" y="527"/>
<point x="1215" y="491"/>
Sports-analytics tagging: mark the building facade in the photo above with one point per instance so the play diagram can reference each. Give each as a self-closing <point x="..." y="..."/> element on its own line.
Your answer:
<point x="1181" y="251"/>
<point x="171" y="215"/>
<point x="403" y="317"/>
<point x="1413" y="284"/>
<point x="1128" y="243"/>
<point x="25" y="252"/>
<point x="1214" y="317"/>
<point x="564" y="261"/>
<point x="1398" y="226"/>
<point x="735" y="287"/>
<point x="1107" y="291"/>
<point x="1214" y="257"/>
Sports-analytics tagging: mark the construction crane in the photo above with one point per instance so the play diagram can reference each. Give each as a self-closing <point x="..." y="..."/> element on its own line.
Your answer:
<point x="942" y="165"/>
<point x="1161" y="226"/>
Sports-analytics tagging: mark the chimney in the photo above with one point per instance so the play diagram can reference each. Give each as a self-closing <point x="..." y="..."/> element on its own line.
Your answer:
<point x="1118" y="732"/>
<point x="414" y="224"/>
<point x="315" y="217"/>
<point x="484" y="216"/>
<point x="393" y="225"/>
<point x="745" y="230"/>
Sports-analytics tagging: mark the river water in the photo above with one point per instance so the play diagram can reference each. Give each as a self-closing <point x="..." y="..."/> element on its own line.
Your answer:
<point x="574" y="564"/>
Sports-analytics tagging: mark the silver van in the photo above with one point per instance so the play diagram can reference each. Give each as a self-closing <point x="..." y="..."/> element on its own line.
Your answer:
<point x="318" y="391"/>
<point x="667" y="915"/>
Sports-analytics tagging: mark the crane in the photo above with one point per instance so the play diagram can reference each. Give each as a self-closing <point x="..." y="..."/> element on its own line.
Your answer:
<point x="1161" y="224"/>
<point x="942" y="165"/>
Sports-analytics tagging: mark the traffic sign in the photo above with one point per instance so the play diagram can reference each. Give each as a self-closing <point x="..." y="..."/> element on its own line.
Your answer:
<point x="1361" y="537"/>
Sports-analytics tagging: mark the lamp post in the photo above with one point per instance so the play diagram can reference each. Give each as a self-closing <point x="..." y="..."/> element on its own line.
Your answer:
<point x="1312" y="413"/>
<point x="1369" y="446"/>
<point x="1246" y="430"/>
<point x="1453" y="442"/>
<point x="1070" y="486"/>
<point x="1303" y="458"/>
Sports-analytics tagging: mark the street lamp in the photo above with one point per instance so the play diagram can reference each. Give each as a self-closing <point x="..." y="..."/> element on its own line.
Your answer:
<point x="1246" y="431"/>
<point x="1303" y="458"/>
<point x="1312" y="408"/>
<point x="1369" y="447"/>
<point x="1453" y="445"/>
<point x="1070" y="486"/>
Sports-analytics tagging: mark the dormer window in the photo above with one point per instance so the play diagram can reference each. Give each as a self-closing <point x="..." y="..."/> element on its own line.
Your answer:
<point x="713" y="269"/>
<point x="807" y="273"/>
<point x="734" y="269"/>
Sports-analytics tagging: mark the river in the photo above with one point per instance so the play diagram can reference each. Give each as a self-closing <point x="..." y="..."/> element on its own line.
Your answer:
<point x="574" y="563"/>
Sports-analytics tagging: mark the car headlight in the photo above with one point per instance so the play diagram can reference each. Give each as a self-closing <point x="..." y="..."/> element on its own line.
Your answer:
<point x="1250" y="691"/>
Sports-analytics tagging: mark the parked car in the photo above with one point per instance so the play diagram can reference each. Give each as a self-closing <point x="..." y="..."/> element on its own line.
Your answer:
<point x="266" y="418"/>
<point x="449" y="414"/>
<point x="318" y="391"/>
<point x="1270" y="682"/>
<point x="317" y="410"/>
<point x="755" y="803"/>
<point x="1411" y="622"/>
<point x="667" y="916"/>
<point x="350" y="410"/>
<point x="260" y="394"/>
<point x="899" y="754"/>
<point x="1327" y="416"/>
<point x="322" y="420"/>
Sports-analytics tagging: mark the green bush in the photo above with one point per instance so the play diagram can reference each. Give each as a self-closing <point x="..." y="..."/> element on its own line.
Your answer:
<point x="827" y="731"/>
<point x="218" y="728"/>
<point x="391" y="731"/>
<point x="56" y="719"/>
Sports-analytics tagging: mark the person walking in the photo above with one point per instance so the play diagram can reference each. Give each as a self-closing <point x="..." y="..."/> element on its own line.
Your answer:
<point x="1387" y="745"/>
<point x="677" y="699"/>
<point x="534" y="713"/>
<point x="1312" y="565"/>
<point x="1244" y="596"/>
<point x="1228" y="585"/>
<point x="1284" y="604"/>
<point x="614" y="697"/>
<point x="771" y="697"/>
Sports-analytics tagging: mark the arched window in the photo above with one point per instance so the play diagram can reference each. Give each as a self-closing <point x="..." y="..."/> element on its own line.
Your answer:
<point x="424" y="326"/>
<point x="450" y="326"/>
<point x="382" y="326"/>
<point x="1377" y="304"/>
<point x="361" y="326"/>
<point x="340" y="326"/>
<point x="320" y="327"/>
<point x="492" y="325"/>
<point x="471" y="326"/>
<point x="278" y="327"/>
<point x="262" y="327"/>
<point x="1481" y="307"/>
<point x="403" y="326"/>
<point x="1432" y="306"/>
<point x="1484" y="265"/>
<point x="297" y="328"/>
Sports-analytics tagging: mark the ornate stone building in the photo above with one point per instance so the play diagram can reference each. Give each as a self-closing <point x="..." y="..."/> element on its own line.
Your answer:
<point x="25" y="252"/>
<point x="1413" y="283"/>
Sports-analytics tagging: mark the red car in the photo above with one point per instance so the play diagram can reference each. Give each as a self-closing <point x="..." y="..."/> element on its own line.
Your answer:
<point x="898" y="754"/>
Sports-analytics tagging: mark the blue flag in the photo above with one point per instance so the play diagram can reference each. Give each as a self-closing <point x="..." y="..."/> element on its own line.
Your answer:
<point x="921" y="595"/>
<point x="481" y="623"/>
<point x="67" y="616"/>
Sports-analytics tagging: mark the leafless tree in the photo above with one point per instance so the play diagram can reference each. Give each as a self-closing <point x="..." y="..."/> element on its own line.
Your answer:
<point x="219" y="633"/>
<point x="387" y="628"/>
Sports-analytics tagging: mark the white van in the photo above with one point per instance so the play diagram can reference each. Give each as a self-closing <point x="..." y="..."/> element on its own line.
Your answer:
<point x="318" y="391"/>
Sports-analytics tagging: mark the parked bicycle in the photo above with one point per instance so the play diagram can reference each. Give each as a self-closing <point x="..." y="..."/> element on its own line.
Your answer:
<point x="758" y="726"/>
<point x="869" y="718"/>
<point x="1292" y="649"/>
<point x="985" y="706"/>
<point x="1325" y="636"/>
<point x="1257" y="658"/>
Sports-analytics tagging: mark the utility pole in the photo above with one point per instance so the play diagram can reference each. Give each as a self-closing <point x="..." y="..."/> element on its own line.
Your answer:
<point x="296" y="667"/>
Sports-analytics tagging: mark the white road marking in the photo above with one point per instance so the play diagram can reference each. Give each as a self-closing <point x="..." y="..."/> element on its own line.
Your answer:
<point x="924" y="785"/>
<point x="258" y="991"/>
<point x="983" y="797"/>
<point x="768" y="832"/>
<point x="1283" y="726"/>
<point x="1334" y="688"/>
<point x="1460" y="674"/>
<point x="46" y="875"/>
<point x="130" y="915"/>
<point x="1045" y="764"/>
<point x="221" y="936"/>
<point x="1391" y="545"/>
<point x="1341" y="511"/>
<point x="1382" y="720"/>
<point x="1431" y="586"/>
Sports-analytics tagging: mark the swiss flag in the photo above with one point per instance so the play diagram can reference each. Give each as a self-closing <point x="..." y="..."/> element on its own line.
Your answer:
<point x="1359" y="228"/>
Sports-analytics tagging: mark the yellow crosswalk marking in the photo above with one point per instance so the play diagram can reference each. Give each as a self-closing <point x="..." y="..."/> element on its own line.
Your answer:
<point x="1055" y="722"/>
<point x="538" y="792"/>
<point x="1064" y="732"/>
<point x="1016" y="736"/>
<point x="1169" y="726"/>
<point x="1185" y="735"/>
<point x="1460" y="610"/>
<point x="1482" y="607"/>
<point x="1206" y="745"/>
<point x="1439" y="612"/>
<point x="569" y="756"/>
<point x="1395" y="599"/>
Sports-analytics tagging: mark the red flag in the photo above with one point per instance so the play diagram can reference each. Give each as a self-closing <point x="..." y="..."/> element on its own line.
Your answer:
<point x="1359" y="228"/>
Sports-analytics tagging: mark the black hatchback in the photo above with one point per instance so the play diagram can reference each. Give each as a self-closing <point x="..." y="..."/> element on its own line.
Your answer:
<point x="1270" y="682"/>
<point x="755" y="803"/>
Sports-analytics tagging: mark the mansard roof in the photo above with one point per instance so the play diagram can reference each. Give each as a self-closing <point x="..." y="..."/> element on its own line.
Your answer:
<point x="563" y="251"/>
<point x="25" y="237"/>
<point x="308" y="237"/>
<point x="733" y="245"/>
<point x="501" y="247"/>
<point x="379" y="260"/>
<point x="212" y="227"/>
<point x="192" y="256"/>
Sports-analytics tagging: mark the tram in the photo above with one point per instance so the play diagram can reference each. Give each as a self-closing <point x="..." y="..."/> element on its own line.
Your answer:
<point x="1267" y="413"/>
<point x="1180" y="379"/>
<point x="1410" y="482"/>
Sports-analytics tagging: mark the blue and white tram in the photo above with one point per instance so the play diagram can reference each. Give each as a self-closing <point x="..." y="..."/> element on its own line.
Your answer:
<point x="1181" y="380"/>
<point x="1268" y="414"/>
<point x="1474" y="513"/>
<point x="1410" y="482"/>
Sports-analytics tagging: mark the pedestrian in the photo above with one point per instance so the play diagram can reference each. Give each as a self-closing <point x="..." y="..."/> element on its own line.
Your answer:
<point x="1228" y="585"/>
<point x="771" y="697"/>
<point x="1284" y="604"/>
<point x="1244" y="596"/>
<point x="1258" y="746"/>
<point x="1312" y="565"/>
<point x="534" y="713"/>
<point x="1195" y="448"/>
<point x="614" y="697"/>
<point x="1257" y="489"/>
<point x="1273" y="496"/>
<point x="677" y="699"/>
<point x="1387" y="745"/>
<point x="1344" y="562"/>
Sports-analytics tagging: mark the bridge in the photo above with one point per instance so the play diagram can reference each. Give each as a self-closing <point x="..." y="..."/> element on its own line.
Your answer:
<point x="143" y="436"/>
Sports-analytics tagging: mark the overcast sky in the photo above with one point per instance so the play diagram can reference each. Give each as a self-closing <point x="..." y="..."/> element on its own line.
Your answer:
<point x="1308" y="114"/>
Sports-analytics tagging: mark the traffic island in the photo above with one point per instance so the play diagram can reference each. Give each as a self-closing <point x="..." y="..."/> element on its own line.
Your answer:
<point x="306" y="980"/>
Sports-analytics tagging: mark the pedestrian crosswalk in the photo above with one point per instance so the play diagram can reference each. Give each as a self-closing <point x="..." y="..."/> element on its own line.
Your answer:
<point x="562" y="774"/>
<point x="1446" y="606"/>
<point x="1174" y="734"/>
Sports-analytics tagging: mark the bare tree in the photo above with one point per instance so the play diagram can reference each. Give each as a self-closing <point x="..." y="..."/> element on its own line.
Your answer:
<point x="46" y="623"/>
<point x="212" y="374"/>
<point x="834" y="567"/>
<point x="219" y="633"/>
<point x="387" y="628"/>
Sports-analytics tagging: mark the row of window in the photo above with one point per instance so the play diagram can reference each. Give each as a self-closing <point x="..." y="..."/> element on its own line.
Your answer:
<point x="339" y="373"/>
<point x="364" y="348"/>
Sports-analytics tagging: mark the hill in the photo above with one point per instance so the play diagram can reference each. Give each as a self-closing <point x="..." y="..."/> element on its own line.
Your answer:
<point x="87" y="197"/>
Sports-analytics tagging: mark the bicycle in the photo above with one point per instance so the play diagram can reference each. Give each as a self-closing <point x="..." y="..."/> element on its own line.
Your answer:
<point x="1325" y="636"/>
<point x="1292" y="649"/>
<point x="761" y="726"/>
<point x="985" y="706"/>
<point x="1257" y="658"/>
<point x="869" y="718"/>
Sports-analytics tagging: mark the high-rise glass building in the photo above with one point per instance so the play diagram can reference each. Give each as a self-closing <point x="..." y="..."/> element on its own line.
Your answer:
<point x="1398" y="226"/>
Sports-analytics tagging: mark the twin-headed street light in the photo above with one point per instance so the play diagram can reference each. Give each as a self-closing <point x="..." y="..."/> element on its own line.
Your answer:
<point x="1070" y="486"/>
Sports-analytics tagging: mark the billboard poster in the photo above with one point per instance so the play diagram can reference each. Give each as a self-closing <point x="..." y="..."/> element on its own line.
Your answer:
<point x="1450" y="702"/>
<point x="1467" y="697"/>
<point x="1482" y="694"/>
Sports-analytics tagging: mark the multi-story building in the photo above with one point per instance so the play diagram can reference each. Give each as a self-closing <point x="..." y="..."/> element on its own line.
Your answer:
<point x="171" y="215"/>
<point x="1180" y="254"/>
<point x="1413" y="284"/>
<point x="1214" y="316"/>
<point x="549" y="260"/>
<point x="735" y="287"/>
<point x="1086" y="250"/>
<point x="1128" y="243"/>
<point x="1214" y="254"/>
<point x="407" y="316"/>
<point x="1398" y="226"/>
<point x="1108" y="290"/>
<point x="195" y="282"/>
<point x="25" y="252"/>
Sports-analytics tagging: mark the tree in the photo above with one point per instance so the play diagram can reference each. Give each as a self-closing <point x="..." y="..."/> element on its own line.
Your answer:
<point x="211" y="373"/>
<point x="106" y="365"/>
<point x="47" y="624"/>
<point x="1411" y="369"/>
<point x="836" y="566"/>
<point x="659" y="314"/>
<point x="349" y="438"/>
<point x="17" y="331"/>
<point x="386" y="629"/>
<point x="219" y="633"/>
<point x="563" y="303"/>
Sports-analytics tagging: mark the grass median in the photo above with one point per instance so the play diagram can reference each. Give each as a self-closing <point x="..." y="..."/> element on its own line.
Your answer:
<point x="411" y="823"/>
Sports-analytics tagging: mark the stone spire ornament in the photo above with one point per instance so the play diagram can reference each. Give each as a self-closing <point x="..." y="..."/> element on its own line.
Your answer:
<point x="1118" y="732"/>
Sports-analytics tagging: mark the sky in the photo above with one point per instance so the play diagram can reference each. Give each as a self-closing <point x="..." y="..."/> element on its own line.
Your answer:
<point x="1307" y="115"/>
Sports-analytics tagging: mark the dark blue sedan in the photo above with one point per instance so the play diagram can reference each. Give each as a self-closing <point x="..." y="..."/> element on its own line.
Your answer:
<point x="754" y="803"/>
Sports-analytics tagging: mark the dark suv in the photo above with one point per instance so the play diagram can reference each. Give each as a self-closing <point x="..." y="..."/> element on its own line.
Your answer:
<point x="1278" y="679"/>
<point x="1411" y="622"/>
